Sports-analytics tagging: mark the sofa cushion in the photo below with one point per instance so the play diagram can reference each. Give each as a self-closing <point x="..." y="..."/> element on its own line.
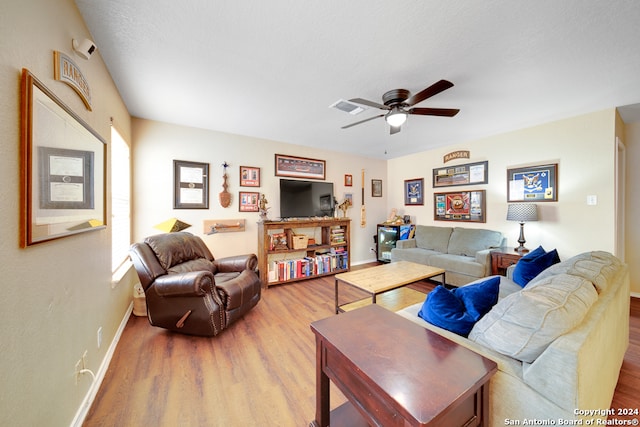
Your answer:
<point x="468" y="241"/>
<point x="433" y="238"/>
<point x="459" y="309"/>
<point x="458" y="263"/>
<point x="598" y="267"/>
<point x="524" y="323"/>
<point x="532" y="264"/>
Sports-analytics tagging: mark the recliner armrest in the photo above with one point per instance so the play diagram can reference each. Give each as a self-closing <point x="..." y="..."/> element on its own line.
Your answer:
<point x="236" y="263"/>
<point x="193" y="283"/>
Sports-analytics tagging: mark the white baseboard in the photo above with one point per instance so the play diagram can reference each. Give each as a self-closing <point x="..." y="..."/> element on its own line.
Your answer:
<point x="635" y="295"/>
<point x="83" y="410"/>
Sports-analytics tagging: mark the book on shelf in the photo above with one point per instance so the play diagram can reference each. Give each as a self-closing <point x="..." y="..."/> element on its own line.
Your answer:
<point x="308" y="266"/>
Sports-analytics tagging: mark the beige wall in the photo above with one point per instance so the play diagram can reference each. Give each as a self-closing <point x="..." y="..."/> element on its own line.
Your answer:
<point x="55" y="295"/>
<point x="158" y="144"/>
<point x="632" y="226"/>
<point x="584" y="149"/>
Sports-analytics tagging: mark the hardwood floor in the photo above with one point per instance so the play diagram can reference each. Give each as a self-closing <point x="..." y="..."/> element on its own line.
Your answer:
<point x="260" y="371"/>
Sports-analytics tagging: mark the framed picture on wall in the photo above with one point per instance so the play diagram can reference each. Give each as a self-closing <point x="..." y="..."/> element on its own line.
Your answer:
<point x="533" y="184"/>
<point x="190" y="185"/>
<point x="249" y="201"/>
<point x="376" y="188"/>
<point x="414" y="191"/>
<point x="462" y="206"/>
<point x="249" y="176"/>
<point x="299" y="167"/>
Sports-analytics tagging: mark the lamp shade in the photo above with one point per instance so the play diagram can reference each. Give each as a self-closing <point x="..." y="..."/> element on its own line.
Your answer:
<point x="522" y="212"/>
<point x="396" y="117"/>
<point x="172" y="225"/>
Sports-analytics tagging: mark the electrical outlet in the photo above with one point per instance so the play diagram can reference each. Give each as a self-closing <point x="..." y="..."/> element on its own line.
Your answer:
<point x="99" y="336"/>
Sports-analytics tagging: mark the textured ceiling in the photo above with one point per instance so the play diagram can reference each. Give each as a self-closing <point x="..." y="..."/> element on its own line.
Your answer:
<point x="270" y="69"/>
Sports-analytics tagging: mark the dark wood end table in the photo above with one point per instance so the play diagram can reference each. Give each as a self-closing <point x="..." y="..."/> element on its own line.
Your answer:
<point x="396" y="373"/>
<point x="503" y="258"/>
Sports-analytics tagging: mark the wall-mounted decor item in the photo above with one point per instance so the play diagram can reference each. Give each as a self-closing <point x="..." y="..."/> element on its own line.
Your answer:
<point x="224" y="195"/>
<point x="470" y="173"/>
<point x="249" y="201"/>
<point x="376" y="188"/>
<point x="172" y="225"/>
<point x="249" y="176"/>
<point x="533" y="184"/>
<point x="348" y="180"/>
<point x="62" y="168"/>
<point x="213" y="226"/>
<point x="463" y="206"/>
<point x="190" y="185"/>
<point x="66" y="71"/>
<point x="299" y="167"/>
<point x="459" y="154"/>
<point x="414" y="191"/>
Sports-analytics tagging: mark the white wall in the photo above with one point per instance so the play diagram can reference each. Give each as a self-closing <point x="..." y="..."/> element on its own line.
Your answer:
<point x="157" y="144"/>
<point x="584" y="149"/>
<point x="55" y="295"/>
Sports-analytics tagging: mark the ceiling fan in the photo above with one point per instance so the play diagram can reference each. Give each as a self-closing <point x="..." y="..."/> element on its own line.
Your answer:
<point x="397" y="101"/>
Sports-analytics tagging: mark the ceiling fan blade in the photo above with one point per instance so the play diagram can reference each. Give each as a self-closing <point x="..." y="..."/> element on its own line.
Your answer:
<point x="362" y="121"/>
<point x="444" y="112"/>
<point x="369" y="103"/>
<point x="432" y="90"/>
<point x="394" y="129"/>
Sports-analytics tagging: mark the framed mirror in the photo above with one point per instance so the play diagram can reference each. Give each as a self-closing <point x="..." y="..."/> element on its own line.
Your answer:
<point x="63" y="167"/>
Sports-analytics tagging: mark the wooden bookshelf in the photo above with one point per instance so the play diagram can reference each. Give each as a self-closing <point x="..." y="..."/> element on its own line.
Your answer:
<point x="280" y="262"/>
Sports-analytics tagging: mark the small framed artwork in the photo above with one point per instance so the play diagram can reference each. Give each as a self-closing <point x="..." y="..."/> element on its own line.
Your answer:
<point x="349" y="197"/>
<point x="190" y="185"/>
<point x="414" y="191"/>
<point x="299" y="167"/>
<point x="463" y="206"/>
<point x="348" y="180"/>
<point x="249" y="176"/>
<point x="470" y="173"/>
<point x="249" y="201"/>
<point x="533" y="184"/>
<point x="376" y="188"/>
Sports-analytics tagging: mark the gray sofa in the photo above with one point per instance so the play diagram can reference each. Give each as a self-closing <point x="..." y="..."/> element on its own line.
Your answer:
<point x="462" y="252"/>
<point x="559" y="342"/>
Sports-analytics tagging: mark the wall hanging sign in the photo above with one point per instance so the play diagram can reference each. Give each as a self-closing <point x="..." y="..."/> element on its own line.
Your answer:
<point x="66" y="71"/>
<point x="63" y="164"/>
<point x="249" y="201"/>
<point x="460" y="154"/>
<point x="533" y="184"/>
<point x="214" y="226"/>
<point x="463" y="206"/>
<point x="190" y="185"/>
<point x="470" y="173"/>
<point x="414" y="191"/>
<point x="299" y="167"/>
<point x="249" y="176"/>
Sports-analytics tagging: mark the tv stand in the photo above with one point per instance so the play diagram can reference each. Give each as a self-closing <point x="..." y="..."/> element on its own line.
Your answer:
<point x="281" y="258"/>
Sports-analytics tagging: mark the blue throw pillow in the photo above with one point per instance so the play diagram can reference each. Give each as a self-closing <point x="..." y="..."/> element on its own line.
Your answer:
<point x="458" y="310"/>
<point x="532" y="264"/>
<point x="479" y="297"/>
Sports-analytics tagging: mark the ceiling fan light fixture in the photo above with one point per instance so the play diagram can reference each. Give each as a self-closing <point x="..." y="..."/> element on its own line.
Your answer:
<point x="396" y="117"/>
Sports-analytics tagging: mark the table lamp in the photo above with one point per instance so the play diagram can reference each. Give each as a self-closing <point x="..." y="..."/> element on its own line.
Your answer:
<point x="522" y="212"/>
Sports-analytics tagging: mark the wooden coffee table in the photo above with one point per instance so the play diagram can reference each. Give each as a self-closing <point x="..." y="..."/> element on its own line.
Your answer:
<point x="396" y="373"/>
<point x="382" y="278"/>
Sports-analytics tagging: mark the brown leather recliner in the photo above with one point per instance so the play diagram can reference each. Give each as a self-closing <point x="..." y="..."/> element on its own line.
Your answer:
<point x="190" y="292"/>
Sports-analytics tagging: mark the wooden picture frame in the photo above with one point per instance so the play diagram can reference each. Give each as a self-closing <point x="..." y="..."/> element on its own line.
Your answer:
<point x="467" y="174"/>
<point x="63" y="168"/>
<point x="300" y="167"/>
<point x="248" y="201"/>
<point x="190" y="185"/>
<point x="249" y="176"/>
<point x="414" y="191"/>
<point x="348" y="180"/>
<point x="533" y="184"/>
<point x="376" y="188"/>
<point x="461" y="206"/>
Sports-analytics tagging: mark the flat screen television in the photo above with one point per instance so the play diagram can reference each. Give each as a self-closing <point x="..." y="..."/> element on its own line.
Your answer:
<point x="303" y="199"/>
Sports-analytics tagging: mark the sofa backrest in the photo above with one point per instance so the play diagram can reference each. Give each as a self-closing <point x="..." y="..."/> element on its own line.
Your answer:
<point x="433" y="238"/>
<point x="173" y="249"/>
<point x="468" y="241"/>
